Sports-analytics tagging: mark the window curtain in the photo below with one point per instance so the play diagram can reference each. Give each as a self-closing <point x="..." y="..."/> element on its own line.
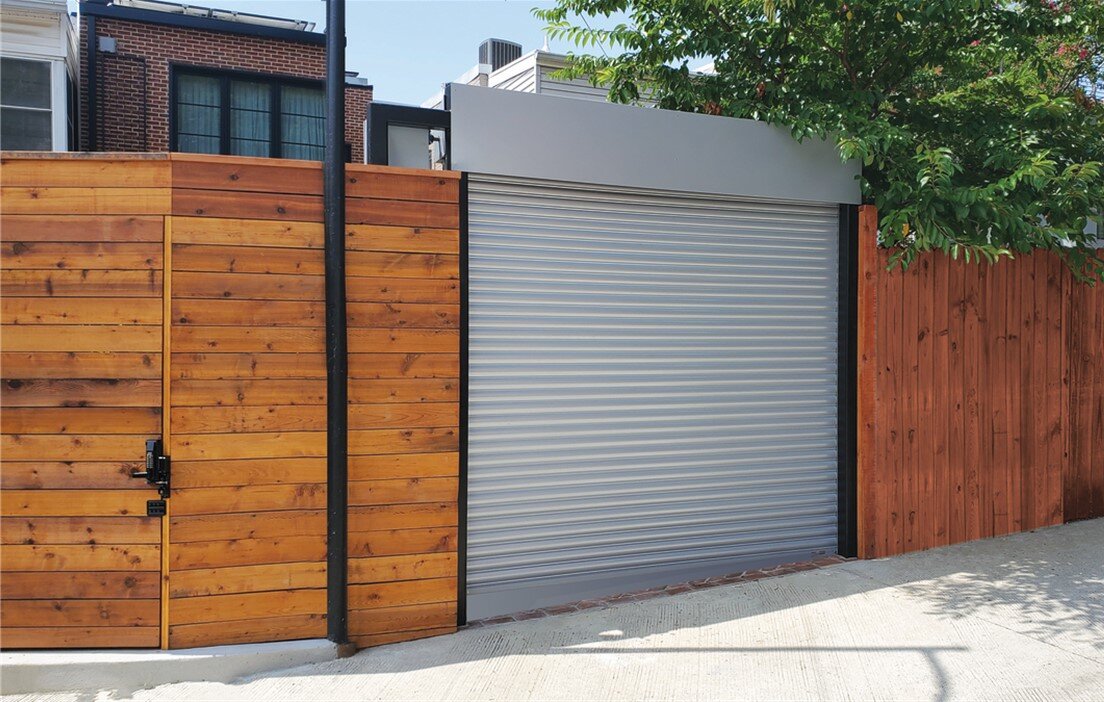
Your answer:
<point x="250" y="119"/>
<point x="199" y="103"/>
<point x="303" y="123"/>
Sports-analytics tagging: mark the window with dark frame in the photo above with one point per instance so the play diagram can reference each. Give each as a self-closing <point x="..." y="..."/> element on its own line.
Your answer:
<point x="247" y="115"/>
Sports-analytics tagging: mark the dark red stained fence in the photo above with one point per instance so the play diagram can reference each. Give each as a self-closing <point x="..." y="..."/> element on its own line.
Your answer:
<point x="981" y="405"/>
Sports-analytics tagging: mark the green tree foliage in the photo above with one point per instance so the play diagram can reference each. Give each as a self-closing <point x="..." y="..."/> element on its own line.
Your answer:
<point x="978" y="122"/>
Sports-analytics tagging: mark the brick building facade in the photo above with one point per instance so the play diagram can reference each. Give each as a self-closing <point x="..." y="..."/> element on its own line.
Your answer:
<point x="141" y="49"/>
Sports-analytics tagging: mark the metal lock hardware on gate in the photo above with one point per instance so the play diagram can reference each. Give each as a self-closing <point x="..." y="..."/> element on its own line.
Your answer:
<point x="158" y="468"/>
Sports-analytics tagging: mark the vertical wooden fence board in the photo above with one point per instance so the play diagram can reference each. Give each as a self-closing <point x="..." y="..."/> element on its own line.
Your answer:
<point x="871" y="379"/>
<point x="80" y="399"/>
<point x="1084" y="481"/>
<point x="988" y="411"/>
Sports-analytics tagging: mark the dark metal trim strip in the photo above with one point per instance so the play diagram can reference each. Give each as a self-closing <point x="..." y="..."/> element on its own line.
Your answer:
<point x="847" y="379"/>
<point x="462" y="496"/>
<point x="381" y="115"/>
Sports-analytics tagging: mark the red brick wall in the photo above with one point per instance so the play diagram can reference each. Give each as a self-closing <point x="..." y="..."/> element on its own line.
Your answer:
<point x="157" y="46"/>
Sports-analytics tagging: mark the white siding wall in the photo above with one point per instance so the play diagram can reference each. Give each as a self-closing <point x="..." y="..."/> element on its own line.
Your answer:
<point x="41" y="30"/>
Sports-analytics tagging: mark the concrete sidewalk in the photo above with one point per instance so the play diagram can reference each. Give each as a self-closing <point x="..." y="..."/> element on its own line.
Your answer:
<point x="1020" y="617"/>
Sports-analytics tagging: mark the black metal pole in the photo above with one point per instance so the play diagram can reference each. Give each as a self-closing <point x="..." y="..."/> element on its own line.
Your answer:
<point x="337" y="361"/>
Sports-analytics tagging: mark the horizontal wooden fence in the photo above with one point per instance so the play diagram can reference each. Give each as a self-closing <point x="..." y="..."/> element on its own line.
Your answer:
<point x="981" y="398"/>
<point x="82" y="270"/>
<point x="109" y="261"/>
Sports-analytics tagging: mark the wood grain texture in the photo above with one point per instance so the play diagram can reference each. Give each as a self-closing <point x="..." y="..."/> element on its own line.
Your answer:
<point x="65" y="227"/>
<point x="85" y="200"/>
<point x="82" y="420"/>
<point x="82" y="613"/>
<point x="965" y="432"/>
<point x="92" y="392"/>
<point x="111" y="311"/>
<point x="81" y="585"/>
<point x="240" y="631"/>
<point x="254" y="525"/>
<point x="76" y="338"/>
<point x="84" y="323"/>
<point x="82" y="284"/>
<point x="81" y="256"/>
<point x="242" y="579"/>
<point x="81" y="637"/>
<point x="247" y="535"/>
<point x="70" y="475"/>
<point x="247" y="605"/>
<point x="80" y="530"/>
<point x="102" y="172"/>
<point x="82" y="557"/>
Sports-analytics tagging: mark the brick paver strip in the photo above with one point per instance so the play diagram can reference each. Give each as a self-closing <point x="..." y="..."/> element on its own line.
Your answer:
<point x="662" y="591"/>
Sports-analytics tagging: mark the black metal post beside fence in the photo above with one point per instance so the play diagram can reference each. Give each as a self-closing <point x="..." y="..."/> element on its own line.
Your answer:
<point x="337" y="361"/>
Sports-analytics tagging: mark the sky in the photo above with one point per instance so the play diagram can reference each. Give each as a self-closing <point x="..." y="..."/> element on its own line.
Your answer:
<point x="408" y="48"/>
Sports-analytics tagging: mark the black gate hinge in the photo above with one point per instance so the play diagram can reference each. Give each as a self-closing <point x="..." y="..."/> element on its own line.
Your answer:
<point x="158" y="468"/>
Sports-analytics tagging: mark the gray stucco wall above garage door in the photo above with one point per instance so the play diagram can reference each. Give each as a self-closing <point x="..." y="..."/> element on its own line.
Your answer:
<point x="652" y="371"/>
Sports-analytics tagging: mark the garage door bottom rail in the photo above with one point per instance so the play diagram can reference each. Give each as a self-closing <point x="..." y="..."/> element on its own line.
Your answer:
<point x="662" y="591"/>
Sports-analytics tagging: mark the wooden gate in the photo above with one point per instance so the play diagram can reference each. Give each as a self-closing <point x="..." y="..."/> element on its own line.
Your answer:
<point x="82" y="366"/>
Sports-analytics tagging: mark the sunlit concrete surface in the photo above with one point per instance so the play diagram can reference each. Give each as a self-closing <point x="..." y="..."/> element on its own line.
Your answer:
<point x="1015" y="618"/>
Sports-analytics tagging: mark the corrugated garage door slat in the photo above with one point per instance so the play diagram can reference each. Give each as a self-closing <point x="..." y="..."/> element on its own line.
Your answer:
<point x="652" y="388"/>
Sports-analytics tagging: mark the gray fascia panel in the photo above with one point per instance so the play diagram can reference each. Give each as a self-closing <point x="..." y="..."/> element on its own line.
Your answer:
<point x="533" y="136"/>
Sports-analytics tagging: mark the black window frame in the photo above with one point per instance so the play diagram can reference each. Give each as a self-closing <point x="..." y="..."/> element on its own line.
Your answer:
<point x="384" y="115"/>
<point x="226" y="77"/>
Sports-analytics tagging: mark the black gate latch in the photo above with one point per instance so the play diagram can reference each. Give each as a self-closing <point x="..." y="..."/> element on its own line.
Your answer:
<point x="157" y="467"/>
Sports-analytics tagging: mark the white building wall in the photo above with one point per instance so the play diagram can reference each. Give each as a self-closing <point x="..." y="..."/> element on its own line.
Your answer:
<point x="42" y="30"/>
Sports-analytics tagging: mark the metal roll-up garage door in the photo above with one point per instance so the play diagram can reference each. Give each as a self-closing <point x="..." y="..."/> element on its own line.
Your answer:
<point x="652" y="388"/>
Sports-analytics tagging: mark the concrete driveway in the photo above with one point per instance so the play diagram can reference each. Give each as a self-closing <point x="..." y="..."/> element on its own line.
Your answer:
<point x="1020" y="617"/>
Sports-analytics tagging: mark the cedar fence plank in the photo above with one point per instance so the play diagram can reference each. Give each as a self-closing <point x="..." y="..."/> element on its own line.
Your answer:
<point x="399" y="542"/>
<point x="80" y="256"/>
<point x="83" y="557"/>
<point x="241" y="579"/>
<point x="398" y="594"/>
<point x="80" y="613"/>
<point x="112" y="311"/>
<point x="255" y="471"/>
<point x="71" y="475"/>
<point x="77" y="338"/>
<point x="81" y="365"/>
<point x="249" y="605"/>
<point x="81" y="586"/>
<point x="242" y="552"/>
<point x="102" y="228"/>
<point x="299" y="626"/>
<point x="81" y="637"/>
<point x="248" y="498"/>
<point x="79" y="173"/>
<point x="391" y="569"/>
<point x="81" y="420"/>
<point x="247" y="232"/>
<point x="16" y="392"/>
<point x="84" y="200"/>
<point x="81" y="283"/>
<point x="80" y="530"/>
<point x="256" y="525"/>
